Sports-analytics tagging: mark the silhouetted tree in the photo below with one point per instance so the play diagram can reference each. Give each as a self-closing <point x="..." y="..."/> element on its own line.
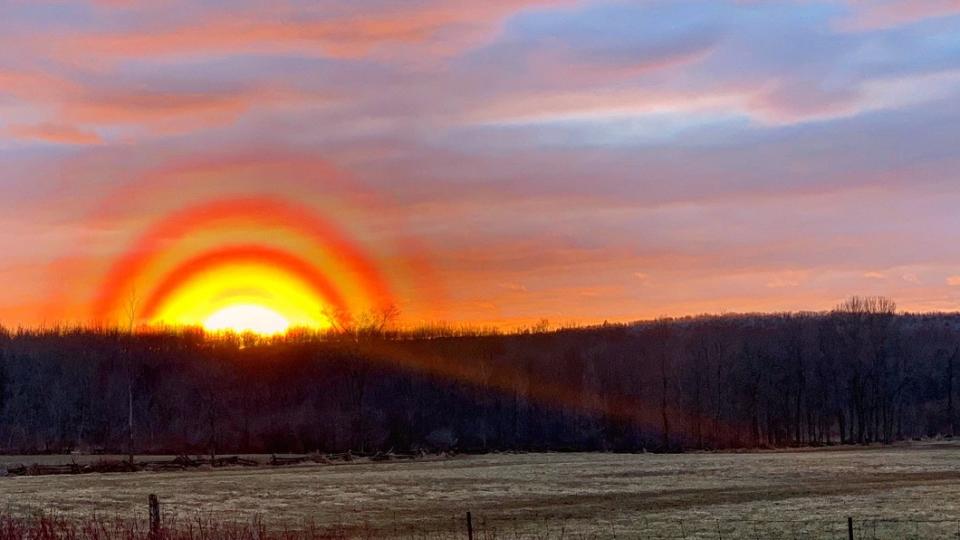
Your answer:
<point x="858" y="374"/>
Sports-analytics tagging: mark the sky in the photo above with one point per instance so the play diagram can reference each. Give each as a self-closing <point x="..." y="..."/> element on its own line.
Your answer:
<point x="485" y="163"/>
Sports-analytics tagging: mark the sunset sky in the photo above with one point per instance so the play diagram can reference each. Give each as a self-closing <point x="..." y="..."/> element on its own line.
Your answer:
<point x="488" y="162"/>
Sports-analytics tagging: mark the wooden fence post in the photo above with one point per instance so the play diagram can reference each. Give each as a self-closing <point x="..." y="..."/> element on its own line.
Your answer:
<point x="154" y="515"/>
<point x="850" y="528"/>
<point x="469" y="526"/>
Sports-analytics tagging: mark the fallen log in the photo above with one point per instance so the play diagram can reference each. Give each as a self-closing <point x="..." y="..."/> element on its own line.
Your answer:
<point x="276" y="460"/>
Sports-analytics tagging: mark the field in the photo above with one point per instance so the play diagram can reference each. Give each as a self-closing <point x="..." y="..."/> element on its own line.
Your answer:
<point x="697" y="495"/>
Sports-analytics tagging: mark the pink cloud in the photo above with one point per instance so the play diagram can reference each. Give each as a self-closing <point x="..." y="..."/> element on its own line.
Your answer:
<point x="879" y="14"/>
<point x="787" y="101"/>
<point x="789" y="278"/>
<point x="442" y="27"/>
<point x="61" y="106"/>
<point x="54" y="133"/>
<point x="170" y="111"/>
<point x="34" y="86"/>
<point x="910" y="277"/>
<point x="539" y="106"/>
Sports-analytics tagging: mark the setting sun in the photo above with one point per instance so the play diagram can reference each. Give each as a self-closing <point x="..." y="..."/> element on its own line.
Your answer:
<point x="247" y="318"/>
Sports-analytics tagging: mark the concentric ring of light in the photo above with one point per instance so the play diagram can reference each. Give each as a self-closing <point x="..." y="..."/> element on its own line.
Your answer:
<point x="282" y="280"/>
<point x="219" y="288"/>
<point x="189" y="292"/>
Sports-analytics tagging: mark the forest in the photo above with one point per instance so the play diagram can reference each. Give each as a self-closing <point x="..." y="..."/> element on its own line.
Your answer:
<point x="861" y="373"/>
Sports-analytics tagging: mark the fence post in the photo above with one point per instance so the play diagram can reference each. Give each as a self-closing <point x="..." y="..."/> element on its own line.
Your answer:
<point x="850" y="528"/>
<point x="469" y="526"/>
<point x="154" y="515"/>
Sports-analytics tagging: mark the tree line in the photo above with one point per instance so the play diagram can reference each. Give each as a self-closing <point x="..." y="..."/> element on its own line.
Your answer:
<point x="859" y="374"/>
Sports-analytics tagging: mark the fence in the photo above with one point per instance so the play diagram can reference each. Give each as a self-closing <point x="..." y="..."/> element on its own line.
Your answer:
<point x="728" y="529"/>
<point x="473" y="526"/>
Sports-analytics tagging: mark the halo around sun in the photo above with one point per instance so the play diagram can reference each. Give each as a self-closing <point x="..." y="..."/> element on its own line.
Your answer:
<point x="246" y="265"/>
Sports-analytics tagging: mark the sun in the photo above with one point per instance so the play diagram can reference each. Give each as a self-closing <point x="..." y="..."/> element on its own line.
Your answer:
<point x="243" y="318"/>
<point x="244" y="297"/>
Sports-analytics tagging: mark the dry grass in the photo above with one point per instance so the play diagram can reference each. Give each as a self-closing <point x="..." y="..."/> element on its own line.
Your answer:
<point x="806" y="494"/>
<point x="95" y="528"/>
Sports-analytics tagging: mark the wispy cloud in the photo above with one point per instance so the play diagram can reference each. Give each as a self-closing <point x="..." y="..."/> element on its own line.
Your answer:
<point x="876" y="15"/>
<point x="54" y="133"/>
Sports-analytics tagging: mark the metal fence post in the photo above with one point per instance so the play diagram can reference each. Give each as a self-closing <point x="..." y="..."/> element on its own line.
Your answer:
<point x="469" y="526"/>
<point x="850" y="528"/>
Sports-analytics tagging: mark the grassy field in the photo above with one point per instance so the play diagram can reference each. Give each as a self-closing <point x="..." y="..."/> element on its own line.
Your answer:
<point x="749" y="495"/>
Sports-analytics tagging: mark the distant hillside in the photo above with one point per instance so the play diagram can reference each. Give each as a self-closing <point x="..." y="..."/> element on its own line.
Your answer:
<point x="860" y="374"/>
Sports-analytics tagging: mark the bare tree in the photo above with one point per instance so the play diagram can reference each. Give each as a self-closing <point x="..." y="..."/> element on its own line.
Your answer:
<point x="662" y="344"/>
<point x="862" y="373"/>
<point x="131" y="310"/>
<point x="867" y="305"/>
<point x="371" y="323"/>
